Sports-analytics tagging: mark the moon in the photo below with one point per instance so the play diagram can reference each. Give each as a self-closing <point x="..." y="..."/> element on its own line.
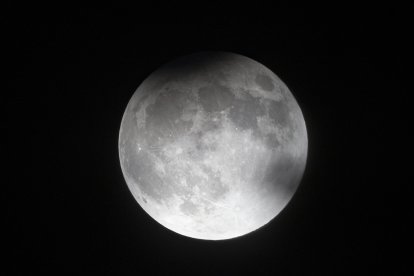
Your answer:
<point x="213" y="145"/>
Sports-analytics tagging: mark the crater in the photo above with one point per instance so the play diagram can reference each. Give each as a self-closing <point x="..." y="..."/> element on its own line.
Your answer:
<point x="189" y="208"/>
<point x="139" y="103"/>
<point x="164" y="116"/>
<point x="243" y="113"/>
<point x="279" y="112"/>
<point x="215" y="188"/>
<point x="215" y="97"/>
<point x="142" y="170"/>
<point x="271" y="141"/>
<point x="265" y="82"/>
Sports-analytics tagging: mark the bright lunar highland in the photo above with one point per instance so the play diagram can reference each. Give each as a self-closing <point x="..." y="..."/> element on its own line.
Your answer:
<point x="213" y="145"/>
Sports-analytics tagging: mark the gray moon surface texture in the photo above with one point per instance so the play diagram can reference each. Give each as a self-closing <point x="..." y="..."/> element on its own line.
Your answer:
<point x="213" y="145"/>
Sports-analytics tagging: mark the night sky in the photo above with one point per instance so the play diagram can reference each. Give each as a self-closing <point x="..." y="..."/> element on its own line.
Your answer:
<point x="73" y="73"/>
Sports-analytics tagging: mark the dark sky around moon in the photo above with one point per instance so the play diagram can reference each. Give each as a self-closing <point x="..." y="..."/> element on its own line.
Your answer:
<point x="73" y="72"/>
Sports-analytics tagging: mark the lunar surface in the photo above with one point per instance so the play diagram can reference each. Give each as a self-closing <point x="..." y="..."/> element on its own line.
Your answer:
<point x="213" y="145"/>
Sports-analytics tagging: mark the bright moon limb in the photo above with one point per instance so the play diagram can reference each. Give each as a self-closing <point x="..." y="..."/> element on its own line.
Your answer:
<point x="213" y="145"/>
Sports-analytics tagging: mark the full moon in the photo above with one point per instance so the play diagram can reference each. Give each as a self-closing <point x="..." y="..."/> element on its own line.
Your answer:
<point x="213" y="145"/>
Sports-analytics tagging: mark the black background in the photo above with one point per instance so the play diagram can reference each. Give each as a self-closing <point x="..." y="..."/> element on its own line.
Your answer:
<point x="74" y="70"/>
